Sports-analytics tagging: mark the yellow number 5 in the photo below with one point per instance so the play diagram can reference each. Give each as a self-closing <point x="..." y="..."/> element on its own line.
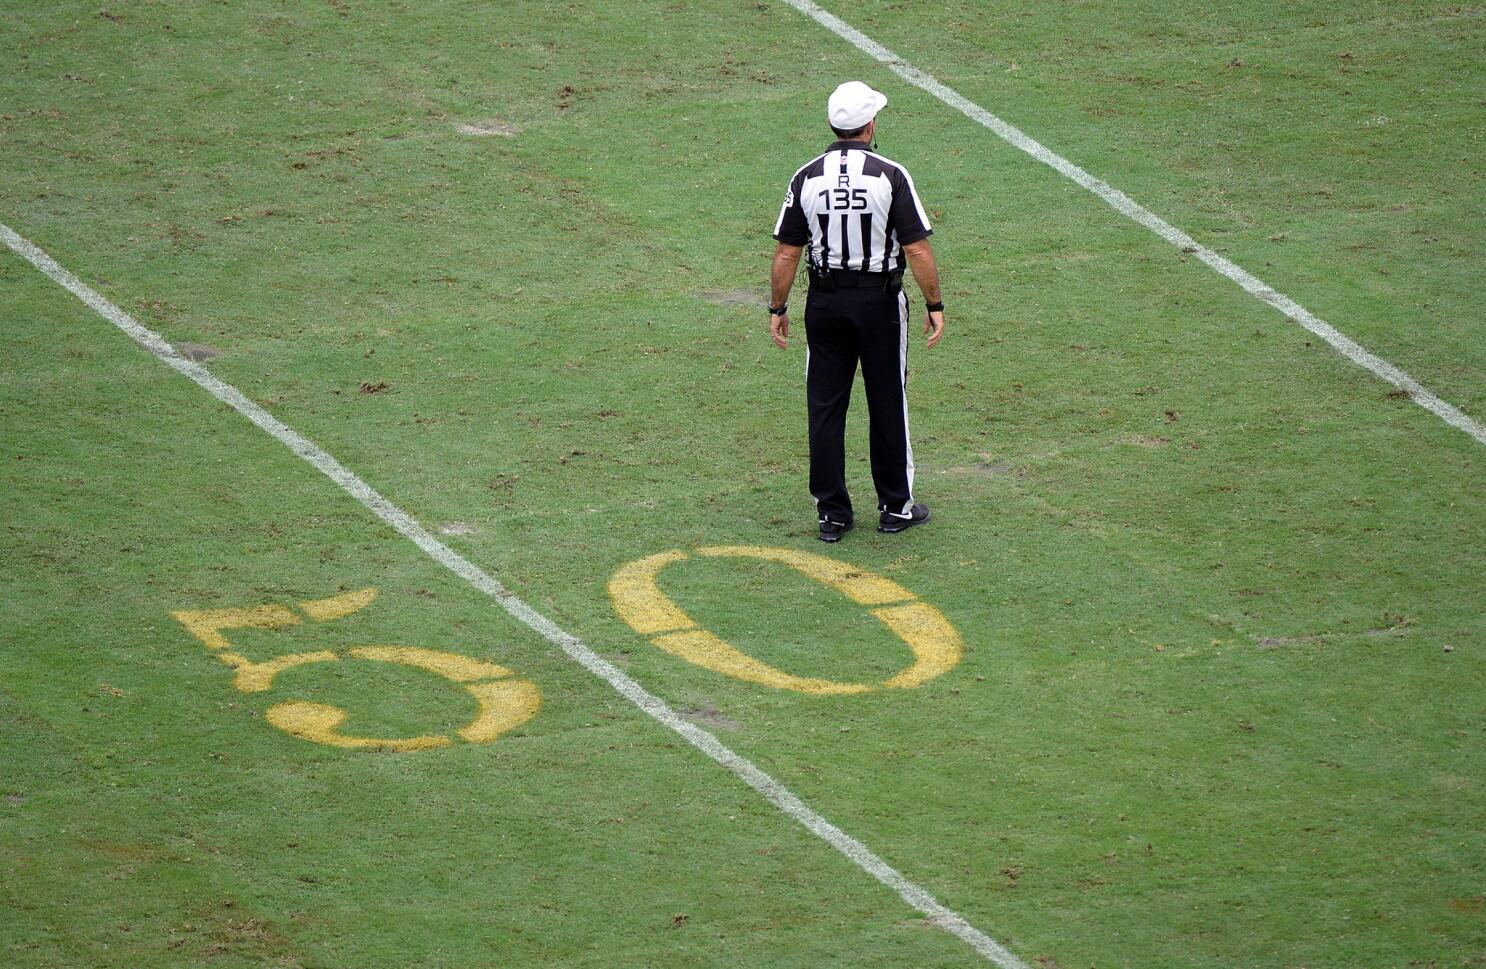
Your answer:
<point x="504" y="701"/>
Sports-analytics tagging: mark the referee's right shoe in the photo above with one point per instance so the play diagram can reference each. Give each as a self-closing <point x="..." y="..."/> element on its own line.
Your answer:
<point x="892" y="522"/>
<point x="831" y="531"/>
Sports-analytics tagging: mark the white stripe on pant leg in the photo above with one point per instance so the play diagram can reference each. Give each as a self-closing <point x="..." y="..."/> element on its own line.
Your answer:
<point x="813" y="500"/>
<point x="772" y="791"/>
<point x="903" y="379"/>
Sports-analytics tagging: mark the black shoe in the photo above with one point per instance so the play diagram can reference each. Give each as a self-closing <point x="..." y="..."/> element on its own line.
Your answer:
<point x="832" y="531"/>
<point x="892" y="522"/>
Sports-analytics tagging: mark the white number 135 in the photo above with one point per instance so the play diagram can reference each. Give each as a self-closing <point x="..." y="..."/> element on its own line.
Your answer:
<point x="845" y="199"/>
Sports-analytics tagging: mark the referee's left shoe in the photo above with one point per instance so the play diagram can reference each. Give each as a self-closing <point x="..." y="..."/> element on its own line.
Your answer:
<point x="892" y="522"/>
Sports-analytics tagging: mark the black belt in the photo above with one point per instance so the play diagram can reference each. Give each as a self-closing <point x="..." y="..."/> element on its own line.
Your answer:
<point x="856" y="279"/>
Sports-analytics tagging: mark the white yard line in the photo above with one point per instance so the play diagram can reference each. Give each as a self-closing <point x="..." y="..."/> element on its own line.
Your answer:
<point x="1128" y="207"/>
<point x="776" y="793"/>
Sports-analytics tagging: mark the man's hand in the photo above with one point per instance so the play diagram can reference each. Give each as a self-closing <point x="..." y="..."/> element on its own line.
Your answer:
<point x="934" y="326"/>
<point x="926" y="273"/>
<point x="779" y="329"/>
<point x="781" y="279"/>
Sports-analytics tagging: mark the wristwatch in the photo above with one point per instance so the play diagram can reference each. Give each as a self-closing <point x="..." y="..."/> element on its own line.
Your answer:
<point x="935" y="307"/>
<point x="779" y="310"/>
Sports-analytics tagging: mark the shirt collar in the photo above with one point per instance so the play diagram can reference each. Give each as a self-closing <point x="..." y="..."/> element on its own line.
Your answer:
<point x="850" y="145"/>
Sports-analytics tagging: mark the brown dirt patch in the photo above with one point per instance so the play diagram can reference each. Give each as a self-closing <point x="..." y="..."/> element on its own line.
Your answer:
<point x="221" y="929"/>
<point x="1470" y="906"/>
<point x="734" y="297"/>
<point x="1271" y="642"/>
<point x="485" y="129"/>
<point x="123" y="850"/>
<point x="196" y="352"/>
<point x="709" y="716"/>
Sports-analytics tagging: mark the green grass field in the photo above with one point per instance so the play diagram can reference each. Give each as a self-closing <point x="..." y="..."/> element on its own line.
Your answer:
<point x="1219" y="590"/>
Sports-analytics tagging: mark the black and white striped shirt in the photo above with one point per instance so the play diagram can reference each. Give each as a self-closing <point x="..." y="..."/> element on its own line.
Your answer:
<point x="854" y="209"/>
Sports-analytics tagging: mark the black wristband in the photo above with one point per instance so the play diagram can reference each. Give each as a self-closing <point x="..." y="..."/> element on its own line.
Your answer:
<point x="779" y="310"/>
<point x="935" y="307"/>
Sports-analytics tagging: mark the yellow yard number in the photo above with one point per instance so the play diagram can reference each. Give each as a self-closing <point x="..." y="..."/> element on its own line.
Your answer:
<point x="638" y="600"/>
<point x="504" y="701"/>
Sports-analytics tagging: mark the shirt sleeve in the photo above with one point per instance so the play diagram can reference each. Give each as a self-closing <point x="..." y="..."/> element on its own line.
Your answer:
<point x="791" y="229"/>
<point x="906" y="215"/>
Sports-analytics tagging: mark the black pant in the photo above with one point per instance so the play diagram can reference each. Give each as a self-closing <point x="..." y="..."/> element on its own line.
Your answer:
<point x="843" y="326"/>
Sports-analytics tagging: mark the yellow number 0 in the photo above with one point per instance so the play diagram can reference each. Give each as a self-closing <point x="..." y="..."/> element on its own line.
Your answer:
<point x="638" y="600"/>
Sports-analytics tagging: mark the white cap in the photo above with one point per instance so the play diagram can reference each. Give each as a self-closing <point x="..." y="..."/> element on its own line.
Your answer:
<point x="853" y="104"/>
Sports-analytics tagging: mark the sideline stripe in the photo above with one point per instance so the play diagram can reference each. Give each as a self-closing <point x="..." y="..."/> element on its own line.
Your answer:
<point x="1128" y="207"/>
<point x="776" y="793"/>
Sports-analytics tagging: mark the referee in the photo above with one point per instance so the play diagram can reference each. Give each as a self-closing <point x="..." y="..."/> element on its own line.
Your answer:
<point x="856" y="217"/>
